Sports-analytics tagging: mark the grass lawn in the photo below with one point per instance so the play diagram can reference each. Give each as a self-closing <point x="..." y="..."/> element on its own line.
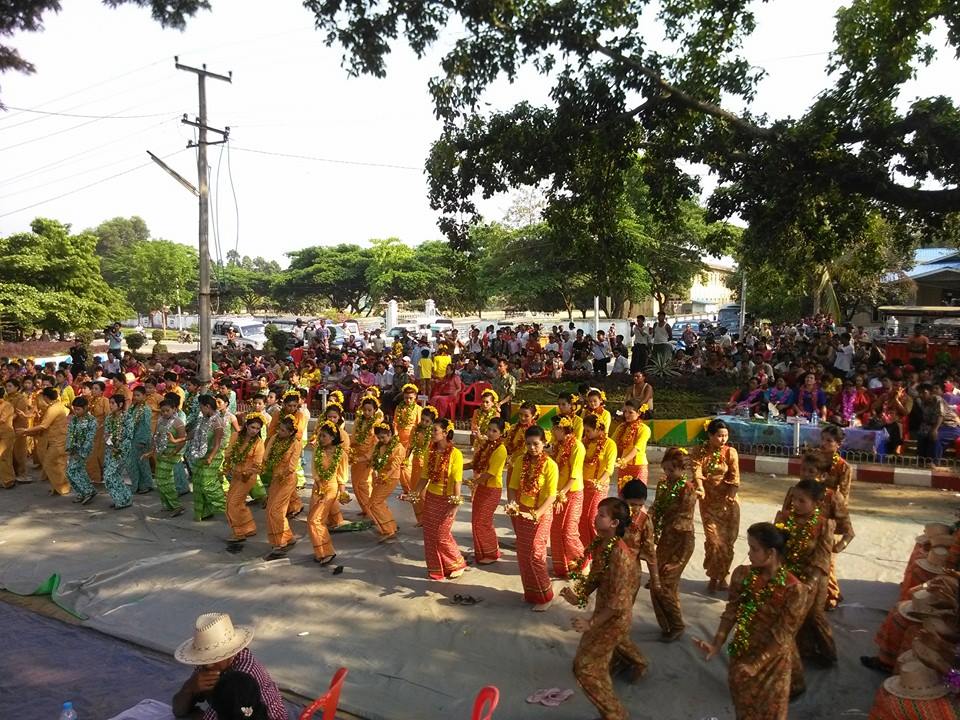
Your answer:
<point x="674" y="399"/>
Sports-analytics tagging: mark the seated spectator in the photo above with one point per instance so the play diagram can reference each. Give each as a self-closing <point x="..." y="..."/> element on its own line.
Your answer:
<point x="216" y="648"/>
<point x="779" y="396"/>
<point x="747" y="399"/>
<point x="851" y="405"/>
<point x="446" y="391"/>
<point x="620" y="367"/>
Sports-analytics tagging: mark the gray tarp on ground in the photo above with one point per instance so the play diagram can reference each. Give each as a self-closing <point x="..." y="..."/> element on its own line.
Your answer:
<point x="410" y="652"/>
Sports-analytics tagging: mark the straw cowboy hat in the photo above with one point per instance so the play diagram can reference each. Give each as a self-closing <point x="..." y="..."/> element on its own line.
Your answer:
<point x="916" y="682"/>
<point x="214" y="639"/>
<point x="932" y="530"/>
<point x="921" y="605"/>
<point x="935" y="561"/>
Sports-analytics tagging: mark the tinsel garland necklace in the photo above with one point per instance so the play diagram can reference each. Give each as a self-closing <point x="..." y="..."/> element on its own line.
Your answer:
<point x="663" y="502"/>
<point x="798" y="541"/>
<point x="530" y="473"/>
<point x="598" y="553"/>
<point x="750" y="602"/>
<point x="715" y="464"/>
<point x="277" y="451"/>
<point x="420" y="441"/>
<point x="481" y="458"/>
<point x="405" y="415"/>
<point x="239" y="451"/>
<point x="593" y="461"/>
<point x="438" y="466"/>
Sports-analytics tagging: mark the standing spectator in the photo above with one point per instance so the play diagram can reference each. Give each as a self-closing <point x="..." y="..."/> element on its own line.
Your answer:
<point x="662" y="335"/>
<point x="641" y="345"/>
<point x="78" y="356"/>
<point x="843" y="361"/>
<point x="505" y="385"/>
<point x="114" y="341"/>
<point x="601" y="355"/>
<point x="297" y="331"/>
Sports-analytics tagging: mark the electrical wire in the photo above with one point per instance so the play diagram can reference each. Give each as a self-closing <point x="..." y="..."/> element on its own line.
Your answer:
<point x="74" y="115"/>
<point x="60" y="132"/>
<point x="20" y="191"/>
<point x="85" y="187"/>
<point x="330" y="160"/>
<point x="59" y="162"/>
<point x="236" y="206"/>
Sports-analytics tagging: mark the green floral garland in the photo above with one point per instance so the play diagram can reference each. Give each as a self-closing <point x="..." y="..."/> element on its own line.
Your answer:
<point x="716" y="459"/>
<point x="325" y="474"/>
<point x="601" y="545"/>
<point x="420" y="441"/>
<point x="799" y="539"/>
<point x="277" y="450"/>
<point x="750" y="603"/>
<point x="382" y="452"/>
<point x="663" y="502"/>
<point x="239" y="451"/>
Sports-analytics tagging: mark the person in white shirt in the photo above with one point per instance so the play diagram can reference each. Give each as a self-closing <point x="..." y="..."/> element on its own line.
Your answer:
<point x="620" y="364"/>
<point x="662" y="335"/>
<point x="725" y="341"/>
<point x="567" y="347"/>
<point x="843" y="362"/>
<point x="601" y="355"/>
<point x="641" y="345"/>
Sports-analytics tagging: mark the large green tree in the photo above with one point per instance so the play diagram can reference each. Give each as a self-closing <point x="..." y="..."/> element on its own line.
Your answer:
<point x="332" y="276"/>
<point x="616" y="91"/>
<point x="157" y="275"/>
<point x="51" y="280"/>
<point x="245" y="285"/>
<point x="114" y="238"/>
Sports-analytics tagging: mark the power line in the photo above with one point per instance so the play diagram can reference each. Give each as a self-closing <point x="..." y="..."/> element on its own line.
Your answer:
<point x="59" y="132"/>
<point x="20" y="191"/>
<point x="236" y="206"/>
<point x="331" y="160"/>
<point x="96" y="117"/>
<point x="85" y="187"/>
<point x="59" y="162"/>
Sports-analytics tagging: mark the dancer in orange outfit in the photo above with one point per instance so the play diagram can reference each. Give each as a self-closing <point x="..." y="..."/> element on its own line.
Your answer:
<point x="440" y="491"/>
<point x="362" y="443"/>
<point x="568" y="453"/>
<point x="51" y="443"/>
<point x="334" y="413"/>
<point x="329" y="478"/>
<point x="631" y="437"/>
<point x="388" y="462"/>
<point x="599" y="463"/>
<point x="282" y="455"/>
<point x="716" y="469"/>
<point x="20" y="397"/>
<point x="489" y="409"/>
<point x="241" y="466"/>
<point x="417" y="457"/>
<point x="515" y="436"/>
<point x="407" y="415"/>
<point x="488" y="463"/>
<point x="766" y="608"/>
<point x="615" y="578"/>
<point x="532" y="491"/>
<point x="8" y="437"/>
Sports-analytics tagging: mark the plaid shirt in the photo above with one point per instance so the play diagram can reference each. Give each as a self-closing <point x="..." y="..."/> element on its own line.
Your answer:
<point x="245" y="662"/>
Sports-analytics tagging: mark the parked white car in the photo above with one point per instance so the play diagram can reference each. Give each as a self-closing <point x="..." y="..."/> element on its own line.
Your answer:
<point x="243" y="332"/>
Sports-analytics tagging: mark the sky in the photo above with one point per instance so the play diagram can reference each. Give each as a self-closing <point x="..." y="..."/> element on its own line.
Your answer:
<point x="315" y="156"/>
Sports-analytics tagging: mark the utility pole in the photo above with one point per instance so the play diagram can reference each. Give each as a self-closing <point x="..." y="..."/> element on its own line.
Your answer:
<point x="205" y="368"/>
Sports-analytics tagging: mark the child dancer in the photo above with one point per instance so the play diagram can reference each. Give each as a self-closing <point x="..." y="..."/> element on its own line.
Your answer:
<point x="532" y="491"/>
<point x="440" y="493"/>
<point x="716" y="468"/>
<point x="673" y="510"/>
<point x="631" y="437"/>
<point x="387" y="463"/>
<point x="113" y="455"/>
<point x="489" y="409"/>
<point x="568" y="453"/>
<point x="599" y="462"/>
<point x="615" y="577"/>
<point x="329" y="478"/>
<point x="282" y="458"/>
<point x="167" y="452"/>
<point x="766" y="608"/>
<point x="362" y="443"/>
<point x="488" y="463"/>
<point x="241" y="465"/>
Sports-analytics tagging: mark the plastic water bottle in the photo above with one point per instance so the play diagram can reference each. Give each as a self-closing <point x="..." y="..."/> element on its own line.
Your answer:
<point x="68" y="713"/>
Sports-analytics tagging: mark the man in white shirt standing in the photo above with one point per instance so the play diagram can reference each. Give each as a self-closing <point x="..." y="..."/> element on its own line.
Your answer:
<point x="601" y="355"/>
<point x="843" y="362"/>
<point x="662" y="335"/>
<point x="641" y="345"/>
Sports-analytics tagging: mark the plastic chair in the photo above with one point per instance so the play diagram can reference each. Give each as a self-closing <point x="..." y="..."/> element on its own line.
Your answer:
<point x="486" y="703"/>
<point x="470" y="398"/>
<point x="329" y="700"/>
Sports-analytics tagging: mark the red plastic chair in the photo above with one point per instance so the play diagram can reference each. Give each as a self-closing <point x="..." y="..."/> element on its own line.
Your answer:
<point x="470" y="398"/>
<point x="328" y="701"/>
<point x="486" y="703"/>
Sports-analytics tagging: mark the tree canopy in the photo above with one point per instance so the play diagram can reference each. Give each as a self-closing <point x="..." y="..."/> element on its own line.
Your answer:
<point x="52" y="280"/>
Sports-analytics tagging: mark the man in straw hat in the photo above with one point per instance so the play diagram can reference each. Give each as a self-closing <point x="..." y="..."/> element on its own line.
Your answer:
<point x="217" y="646"/>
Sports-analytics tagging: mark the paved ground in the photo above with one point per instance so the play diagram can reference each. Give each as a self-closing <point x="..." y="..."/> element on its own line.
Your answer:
<point x="414" y="618"/>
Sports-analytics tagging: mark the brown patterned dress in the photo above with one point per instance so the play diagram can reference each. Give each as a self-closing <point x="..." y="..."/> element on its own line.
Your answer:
<point x="616" y="586"/>
<point x="674" y="549"/>
<point x="719" y="508"/>
<point x="760" y="676"/>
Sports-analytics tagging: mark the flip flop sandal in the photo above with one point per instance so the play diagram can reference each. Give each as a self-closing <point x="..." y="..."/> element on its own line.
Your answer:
<point x="540" y="695"/>
<point x="470" y="600"/>
<point x="326" y="560"/>
<point x="457" y="599"/>
<point x="555" y="698"/>
<point x="78" y="499"/>
<point x="88" y="498"/>
<point x="338" y="570"/>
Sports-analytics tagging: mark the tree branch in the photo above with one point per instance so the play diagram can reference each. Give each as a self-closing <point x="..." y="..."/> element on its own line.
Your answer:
<point x="675" y="94"/>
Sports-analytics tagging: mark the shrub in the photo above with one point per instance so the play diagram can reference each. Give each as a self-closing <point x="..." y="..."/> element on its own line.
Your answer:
<point x="159" y="349"/>
<point x="157" y="335"/>
<point x="135" y="341"/>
